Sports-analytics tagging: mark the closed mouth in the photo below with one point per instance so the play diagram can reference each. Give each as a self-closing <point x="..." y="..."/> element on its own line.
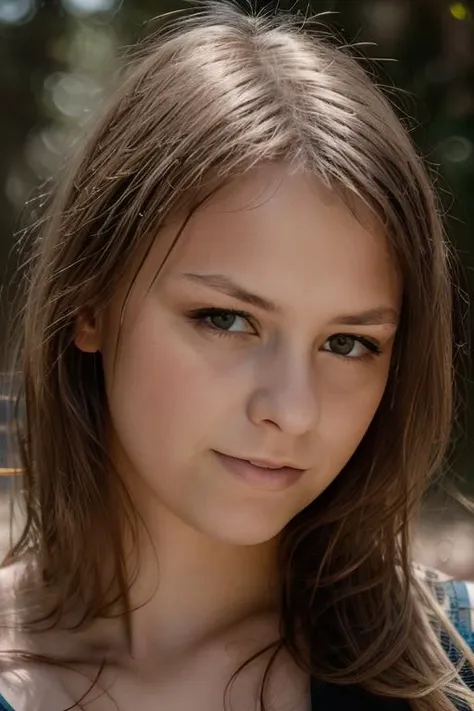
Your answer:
<point x="267" y="464"/>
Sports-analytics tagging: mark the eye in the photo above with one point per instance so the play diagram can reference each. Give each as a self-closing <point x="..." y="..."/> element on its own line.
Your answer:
<point x="223" y="321"/>
<point x="350" y="346"/>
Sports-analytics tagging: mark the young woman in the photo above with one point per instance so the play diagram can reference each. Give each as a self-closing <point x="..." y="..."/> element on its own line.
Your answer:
<point x="236" y="368"/>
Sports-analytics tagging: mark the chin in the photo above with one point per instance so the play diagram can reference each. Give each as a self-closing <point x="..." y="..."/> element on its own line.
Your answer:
<point x="242" y="531"/>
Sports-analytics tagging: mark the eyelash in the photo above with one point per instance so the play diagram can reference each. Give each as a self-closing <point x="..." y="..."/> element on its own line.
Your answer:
<point x="199" y="316"/>
<point x="373" y="349"/>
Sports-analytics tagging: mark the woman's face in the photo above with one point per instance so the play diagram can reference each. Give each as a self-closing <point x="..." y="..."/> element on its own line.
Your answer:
<point x="267" y="336"/>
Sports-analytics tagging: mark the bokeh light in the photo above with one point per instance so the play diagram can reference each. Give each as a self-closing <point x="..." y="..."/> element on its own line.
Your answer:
<point x="459" y="11"/>
<point x="91" y="49"/>
<point x="16" y="11"/>
<point x="88" y="7"/>
<point x="457" y="149"/>
<point x="70" y="93"/>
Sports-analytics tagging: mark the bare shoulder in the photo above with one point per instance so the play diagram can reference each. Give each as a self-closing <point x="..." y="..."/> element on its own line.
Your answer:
<point x="31" y="688"/>
<point x="29" y="685"/>
<point x="17" y="595"/>
<point x="10" y="578"/>
<point x="24" y="685"/>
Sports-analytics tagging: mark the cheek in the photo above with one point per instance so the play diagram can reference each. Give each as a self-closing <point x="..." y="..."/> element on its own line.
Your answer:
<point x="149" y="390"/>
<point x="347" y="409"/>
<point x="164" y="397"/>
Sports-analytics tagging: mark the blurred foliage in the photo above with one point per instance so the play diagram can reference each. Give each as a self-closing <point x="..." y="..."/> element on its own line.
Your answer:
<point x="57" y="58"/>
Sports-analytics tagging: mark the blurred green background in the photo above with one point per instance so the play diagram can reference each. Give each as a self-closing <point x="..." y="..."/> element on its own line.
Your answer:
<point x="58" y="58"/>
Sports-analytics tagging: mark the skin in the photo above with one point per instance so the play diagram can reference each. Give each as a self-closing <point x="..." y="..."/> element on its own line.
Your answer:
<point x="274" y="386"/>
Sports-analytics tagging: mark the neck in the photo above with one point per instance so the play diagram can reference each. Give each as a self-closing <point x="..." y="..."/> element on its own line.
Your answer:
<point x="189" y="590"/>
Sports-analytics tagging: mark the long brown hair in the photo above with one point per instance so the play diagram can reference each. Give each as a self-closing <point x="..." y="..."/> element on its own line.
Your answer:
<point x="214" y="93"/>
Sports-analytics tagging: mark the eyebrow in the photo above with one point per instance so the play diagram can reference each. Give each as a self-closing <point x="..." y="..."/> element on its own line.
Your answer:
<point x="380" y="315"/>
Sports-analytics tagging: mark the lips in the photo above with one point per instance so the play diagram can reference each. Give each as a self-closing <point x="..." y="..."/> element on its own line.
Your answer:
<point x="264" y="477"/>
<point x="265" y="464"/>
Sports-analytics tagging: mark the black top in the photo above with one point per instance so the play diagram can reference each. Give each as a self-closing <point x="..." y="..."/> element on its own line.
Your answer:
<point x="331" y="697"/>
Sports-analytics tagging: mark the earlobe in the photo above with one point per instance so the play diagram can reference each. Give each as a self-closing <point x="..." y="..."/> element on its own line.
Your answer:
<point x="87" y="337"/>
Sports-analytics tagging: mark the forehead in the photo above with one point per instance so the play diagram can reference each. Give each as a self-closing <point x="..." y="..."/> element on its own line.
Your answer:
<point x="291" y="237"/>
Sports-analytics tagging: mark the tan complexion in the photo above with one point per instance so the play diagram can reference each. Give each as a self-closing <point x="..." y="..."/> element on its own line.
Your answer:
<point x="267" y="335"/>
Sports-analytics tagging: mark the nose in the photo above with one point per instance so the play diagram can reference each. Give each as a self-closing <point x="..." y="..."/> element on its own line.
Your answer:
<point x="285" y="394"/>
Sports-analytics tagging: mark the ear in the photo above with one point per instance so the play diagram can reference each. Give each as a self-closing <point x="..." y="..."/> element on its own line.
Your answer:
<point x="87" y="332"/>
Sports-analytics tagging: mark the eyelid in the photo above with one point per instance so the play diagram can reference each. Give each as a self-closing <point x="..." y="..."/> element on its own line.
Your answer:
<point x="199" y="315"/>
<point x="372" y="346"/>
<point x="370" y="343"/>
